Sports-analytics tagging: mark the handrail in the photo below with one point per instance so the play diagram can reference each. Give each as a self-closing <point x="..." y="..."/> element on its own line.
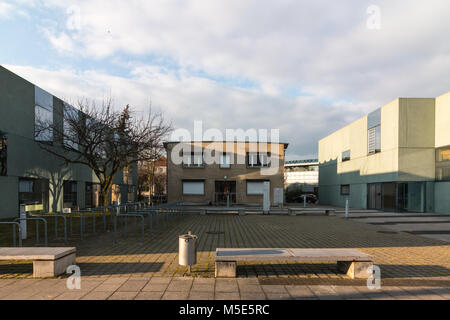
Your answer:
<point x="37" y="219"/>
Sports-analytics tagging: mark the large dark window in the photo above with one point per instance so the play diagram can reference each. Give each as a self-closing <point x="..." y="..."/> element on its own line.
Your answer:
<point x="70" y="194"/>
<point x="92" y="191"/>
<point x="255" y="159"/>
<point x="34" y="193"/>
<point x="443" y="164"/>
<point x="3" y="154"/>
<point x="374" y="132"/>
<point x="193" y="160"/>
<point x="43" y="115"/>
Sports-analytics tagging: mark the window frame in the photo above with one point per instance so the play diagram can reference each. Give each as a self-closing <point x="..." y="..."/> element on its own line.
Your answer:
<point x="192" y="181"/>
<point x="344" y="159"/>
<point x="345" y="193"/>
<point x="223" y="165"/>
<point x="442" y="167"/>
<point x="259" y="156"/>
<point x="191" y="163"/>
<point x="254" y="181"/>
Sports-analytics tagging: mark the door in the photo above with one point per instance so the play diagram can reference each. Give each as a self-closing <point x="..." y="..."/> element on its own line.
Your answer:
<point x="225" y="192"/>
<point x="374" y="196"/>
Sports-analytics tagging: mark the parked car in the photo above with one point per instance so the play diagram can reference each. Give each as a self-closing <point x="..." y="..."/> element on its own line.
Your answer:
<point x="310" y="198"/>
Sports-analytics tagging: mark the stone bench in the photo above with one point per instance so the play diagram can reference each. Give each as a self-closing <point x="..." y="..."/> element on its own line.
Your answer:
<point x="350" y="261"/>
<point x="47" y="262"/>
<point x="302" y="211"/>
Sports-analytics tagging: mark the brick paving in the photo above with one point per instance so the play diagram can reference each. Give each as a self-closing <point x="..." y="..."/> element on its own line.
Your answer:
<point x="411" y="266"/>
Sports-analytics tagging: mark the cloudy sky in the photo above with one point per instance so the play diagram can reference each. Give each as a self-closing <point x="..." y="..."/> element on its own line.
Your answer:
<point x="304" y="67"/>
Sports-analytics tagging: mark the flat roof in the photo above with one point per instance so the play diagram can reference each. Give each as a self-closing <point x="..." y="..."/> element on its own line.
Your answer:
<point x="226" y="141"/>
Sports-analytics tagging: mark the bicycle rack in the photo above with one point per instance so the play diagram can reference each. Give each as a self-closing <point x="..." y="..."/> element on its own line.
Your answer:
<point x="56" y="216"/>
<point x="14" y="224"/>
<point x="37" y="228"/>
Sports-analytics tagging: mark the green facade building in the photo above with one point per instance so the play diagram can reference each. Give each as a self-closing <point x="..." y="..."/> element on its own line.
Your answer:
<point x="30" y="175"/>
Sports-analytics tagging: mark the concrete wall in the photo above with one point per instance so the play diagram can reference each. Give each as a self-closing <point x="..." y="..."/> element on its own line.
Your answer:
<point x="442" y="197"/>
<point x="361" y="168"/>
<point x="212" y="172"/>
<point x="442" y="189"/>
<point x="407" y="152"/>
<point x="416" y="139"/>
<point x="442" y="120"/>
<point x="25" y="157"/>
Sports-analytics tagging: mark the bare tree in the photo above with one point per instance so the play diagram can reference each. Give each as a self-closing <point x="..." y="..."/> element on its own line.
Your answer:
<point x="105" y="140"/>
<point x="152" y="177"/>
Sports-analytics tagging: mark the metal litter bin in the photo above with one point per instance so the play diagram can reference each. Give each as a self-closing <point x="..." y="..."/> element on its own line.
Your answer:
<point x="187" y="250"/>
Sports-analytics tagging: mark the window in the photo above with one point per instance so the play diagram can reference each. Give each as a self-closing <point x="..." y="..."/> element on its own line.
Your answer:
<point x="225" y="161"/>
<point x="69" y="194"/>
<point x="443" y="164"/>
<point x="92" y="191"/>
<point x="34" y="192"/>
<point x="345" y="155"/>
<point x="131" y="193"/>
<point x="443" y="154"/>
<point x="374" y="132"/>
<point x="345" y="189"/>
<point x="255" y="187"/>
<point x="255" y="159"/>
<point x="193" y="160"/>
<point x="3" y="154"/>
<point x="43" y="115"/>
<point x="193" y="187"/>
<point x="70" y="139"/>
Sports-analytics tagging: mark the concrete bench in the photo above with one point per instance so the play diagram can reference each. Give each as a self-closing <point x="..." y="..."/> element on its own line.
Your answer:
<point x="350" y="261"/>
<point x="302" y="211"/>
<point x="47" y="262"/>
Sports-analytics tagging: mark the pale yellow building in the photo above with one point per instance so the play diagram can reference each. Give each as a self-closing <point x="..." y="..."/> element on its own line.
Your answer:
<point x="395" y="158"/>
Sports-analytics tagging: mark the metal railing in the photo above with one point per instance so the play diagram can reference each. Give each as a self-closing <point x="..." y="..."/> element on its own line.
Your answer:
<point x="37" y="219"/>
<point x="14" y="224"/>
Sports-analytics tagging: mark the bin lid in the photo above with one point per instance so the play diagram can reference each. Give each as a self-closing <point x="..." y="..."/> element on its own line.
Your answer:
<point x="187" y="236"/>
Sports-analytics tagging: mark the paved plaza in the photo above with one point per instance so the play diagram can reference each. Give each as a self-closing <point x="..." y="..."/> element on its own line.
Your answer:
<point x="412" y="266"/>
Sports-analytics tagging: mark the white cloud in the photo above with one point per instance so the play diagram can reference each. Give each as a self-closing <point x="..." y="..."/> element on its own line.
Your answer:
<point x="186" y="99"/>
<point x="321" y="49"/>
<point x="6" y="9"/>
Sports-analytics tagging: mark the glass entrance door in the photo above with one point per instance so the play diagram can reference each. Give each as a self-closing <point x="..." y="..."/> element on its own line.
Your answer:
<point x="225" y="192"/>
<point x="374" y="196"/>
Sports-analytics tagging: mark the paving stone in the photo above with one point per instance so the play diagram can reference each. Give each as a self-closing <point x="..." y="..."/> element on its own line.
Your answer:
<point x="153" y="287"/>
<point x="149" y="295"/>
<point x="226" y="285"/>
<point x="251" y="288"/>
<point x="203" y="287"/>
<point x="325" y="292"/>
<point x="201" y="295"/>
<point x="274" y="289"/>
<point x="253" y="296"/>
<point x="406" y="260"/>
<point x="123" y="295"/>
<point x="227" y="296"/>
<point x="278" y="296"/>
<point x="107" y="287"/>
<point x="133" y="285"/>
<point x="175" y="295"/>
<point x="180" y="285"/>
<point x="97" y="295"/>
<point x="160" y="280"/>
<point x="300" y="292"/>
<point x="73" y="295"/>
